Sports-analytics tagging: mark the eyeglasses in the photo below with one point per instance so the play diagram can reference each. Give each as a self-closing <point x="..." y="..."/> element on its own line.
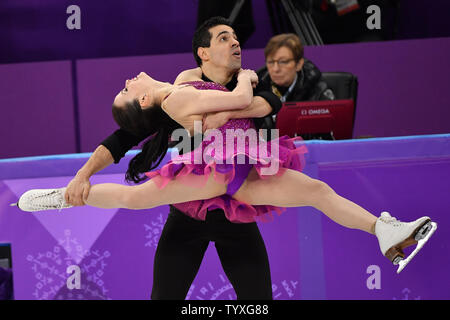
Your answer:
<point x="281" y="62"/>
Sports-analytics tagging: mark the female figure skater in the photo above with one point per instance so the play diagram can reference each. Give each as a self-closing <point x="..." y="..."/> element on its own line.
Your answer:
<point x="146" y="104"/>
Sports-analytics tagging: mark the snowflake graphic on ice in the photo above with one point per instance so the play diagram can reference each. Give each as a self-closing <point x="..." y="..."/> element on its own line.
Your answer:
<point x="71" y="246"/>
<point x="289" y="290"/>
<point x="153" y="231"/>
<point x="50" y="271"/>
<point x="223" y="290"/>
<point x="406" y="293"/>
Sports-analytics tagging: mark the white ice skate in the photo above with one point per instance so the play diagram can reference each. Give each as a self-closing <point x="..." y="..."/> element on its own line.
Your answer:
<point x="42" y="199"/>
<point x="394" y="235"/>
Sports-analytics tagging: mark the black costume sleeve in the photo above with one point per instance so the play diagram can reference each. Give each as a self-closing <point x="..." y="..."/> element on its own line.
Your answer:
<point x="120" y="142"/>
<point x="263" y="90"/>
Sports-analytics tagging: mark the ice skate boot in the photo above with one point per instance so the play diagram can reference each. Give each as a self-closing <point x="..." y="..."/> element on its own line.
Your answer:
<point x="394" y="235"/>
<point x="42" y="199"/>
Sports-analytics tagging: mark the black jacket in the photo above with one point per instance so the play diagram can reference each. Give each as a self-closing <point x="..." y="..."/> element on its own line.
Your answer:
<point x="310" y="85"/>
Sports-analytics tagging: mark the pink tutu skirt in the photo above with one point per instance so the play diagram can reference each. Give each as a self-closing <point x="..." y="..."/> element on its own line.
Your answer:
<point x="231" y="168"/>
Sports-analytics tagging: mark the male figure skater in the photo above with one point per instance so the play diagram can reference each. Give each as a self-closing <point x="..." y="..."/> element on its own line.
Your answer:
<point x="184" y="240"/>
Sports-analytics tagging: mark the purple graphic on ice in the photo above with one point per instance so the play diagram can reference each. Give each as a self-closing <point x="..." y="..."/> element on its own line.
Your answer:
<point x="153" y="231"/>
<point x="221" y="289"/>
<point x="50" y="270"/>
<point x="406" y="296"/>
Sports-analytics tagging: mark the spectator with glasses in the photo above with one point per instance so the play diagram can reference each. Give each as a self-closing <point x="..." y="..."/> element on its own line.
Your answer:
<point x="289" y="75"/>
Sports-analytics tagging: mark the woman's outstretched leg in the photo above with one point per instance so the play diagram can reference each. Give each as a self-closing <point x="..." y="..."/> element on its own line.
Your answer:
<point x="144" y="196"/>
<point x="147" y="195"/>
<point x="295" y="189"/>
<point x="292" y="189"/>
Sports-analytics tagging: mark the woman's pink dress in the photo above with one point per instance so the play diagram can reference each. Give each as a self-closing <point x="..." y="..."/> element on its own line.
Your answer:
<point x="229" y="167"/>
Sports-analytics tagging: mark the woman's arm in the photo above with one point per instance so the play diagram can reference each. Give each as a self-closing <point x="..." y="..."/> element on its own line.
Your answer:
<point x="190" y="101"/>
<point x="257" y="109"/>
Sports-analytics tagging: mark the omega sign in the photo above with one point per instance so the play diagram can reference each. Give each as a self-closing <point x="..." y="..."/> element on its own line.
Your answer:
<point x="311" y="112"/>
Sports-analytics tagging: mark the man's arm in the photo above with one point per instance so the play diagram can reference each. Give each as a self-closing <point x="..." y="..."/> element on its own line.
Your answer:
<point x="111" y="150"/>
<point x="264" y="102"/>
<point x="78" y="188"/>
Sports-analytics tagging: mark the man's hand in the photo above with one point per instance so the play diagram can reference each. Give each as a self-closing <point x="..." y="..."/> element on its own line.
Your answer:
<point x="78" y="188"/>
<point x="77" y="191"/>
<point x="215" y="120"/>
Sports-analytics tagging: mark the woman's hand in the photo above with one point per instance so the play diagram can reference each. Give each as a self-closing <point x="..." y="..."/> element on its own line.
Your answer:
<point x="214" y="120"/>
<point x="248" y="74"/>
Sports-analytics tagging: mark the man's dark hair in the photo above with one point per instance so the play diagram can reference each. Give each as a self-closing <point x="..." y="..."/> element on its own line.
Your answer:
<point x="202" y="36"/>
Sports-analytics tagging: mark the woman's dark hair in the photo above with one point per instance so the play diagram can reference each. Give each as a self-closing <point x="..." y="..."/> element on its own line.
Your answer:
<point x="202" y="36"/>
<point x="151" y="122"/>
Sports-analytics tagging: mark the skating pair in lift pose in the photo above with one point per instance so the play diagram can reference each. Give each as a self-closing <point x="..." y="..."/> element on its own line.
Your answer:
<point x="184" y="182"/>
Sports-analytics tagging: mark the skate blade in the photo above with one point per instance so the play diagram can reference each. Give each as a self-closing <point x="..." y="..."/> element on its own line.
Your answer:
<point x="396" y="254"/>
<point x="402" y="264"/>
